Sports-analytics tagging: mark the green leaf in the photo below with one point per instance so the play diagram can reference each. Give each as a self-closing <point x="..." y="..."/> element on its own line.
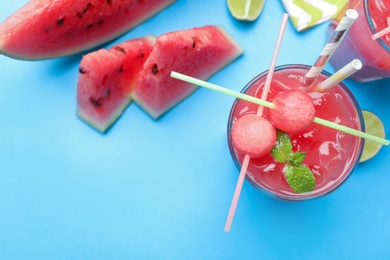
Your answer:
<point x="300" y="178"/>
<point x="297" y="158"/>
<point x="283" y="147"/>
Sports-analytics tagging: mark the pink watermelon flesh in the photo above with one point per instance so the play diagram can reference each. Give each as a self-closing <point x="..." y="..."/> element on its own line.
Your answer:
<point x="293" y="112"/>
<point x="43" y="29"/>
<point x="198" y="52"/>
<point x="253" y="135"/>
<point x="106" y="80"/>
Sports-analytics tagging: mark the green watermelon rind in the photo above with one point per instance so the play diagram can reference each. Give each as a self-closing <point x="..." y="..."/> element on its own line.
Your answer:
<point x="157" y="114"/>
<point x="105" y="126"/>
<point x="67" y="51"/>
<point x="90" y="119"/>
<point x="191" y="88"/>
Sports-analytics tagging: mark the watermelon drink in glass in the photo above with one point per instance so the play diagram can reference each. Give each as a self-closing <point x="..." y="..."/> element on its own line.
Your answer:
<point x="331" y="155"/>
<point x="374" y="16"/>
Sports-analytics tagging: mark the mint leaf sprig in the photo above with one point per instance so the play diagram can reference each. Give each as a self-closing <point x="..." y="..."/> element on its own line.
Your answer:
<point x="299" y="177"/>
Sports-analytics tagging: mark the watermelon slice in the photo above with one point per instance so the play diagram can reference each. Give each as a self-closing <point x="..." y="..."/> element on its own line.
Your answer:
<point x="43" y="29"/>
<point x="198" y="52"/>
<point x="106" y="80"/>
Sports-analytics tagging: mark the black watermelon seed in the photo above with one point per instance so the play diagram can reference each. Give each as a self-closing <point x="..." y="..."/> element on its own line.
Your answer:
<point x="95" y="102"/>
<point x="100" y="22"/>
<point x="82" y="71"/>
<point x="109" y="2"/>
<point x="60" y="22"/>
<point x="86" y="7"/>
<point x="154" y="69"/>
<point x="193" y="42"/>
<point x="118" y="48"/>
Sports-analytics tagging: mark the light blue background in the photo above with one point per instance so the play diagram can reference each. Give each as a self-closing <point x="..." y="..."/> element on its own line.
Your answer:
<point x="162" y="189"/>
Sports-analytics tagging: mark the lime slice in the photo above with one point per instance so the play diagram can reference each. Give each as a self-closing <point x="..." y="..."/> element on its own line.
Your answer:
<point x="374" y="126"/>
<point x="247" y="10"/>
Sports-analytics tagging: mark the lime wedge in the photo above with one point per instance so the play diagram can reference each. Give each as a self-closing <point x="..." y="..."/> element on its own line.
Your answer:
<point x="374" y="126"/>
<point x="247" y="10"/>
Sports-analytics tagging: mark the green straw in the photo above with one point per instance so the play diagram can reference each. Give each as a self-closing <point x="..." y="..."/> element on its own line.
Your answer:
<point x="217" y="88"/>
<point x="264" y="103"/>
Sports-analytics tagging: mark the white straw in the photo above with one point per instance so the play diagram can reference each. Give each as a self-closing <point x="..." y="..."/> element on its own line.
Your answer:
<point x="272" y="66"/>
<point x="245" y="163"/>
<point x="237" y="192"/>
<point x="338" y="35"/>
<point x="383" y="31"/>
<point x="340" y="75"/>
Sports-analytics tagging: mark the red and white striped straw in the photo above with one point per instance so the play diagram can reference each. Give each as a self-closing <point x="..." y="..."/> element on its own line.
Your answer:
<point x="338" y="35"/>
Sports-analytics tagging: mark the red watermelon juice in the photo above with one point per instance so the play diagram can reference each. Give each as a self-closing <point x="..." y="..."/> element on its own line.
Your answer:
<point x="358" y="44"/>
<point x="330" y="154"/>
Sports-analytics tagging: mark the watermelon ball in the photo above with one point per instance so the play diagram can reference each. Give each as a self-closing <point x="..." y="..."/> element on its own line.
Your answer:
<point x="293" y="111"/>
<point x="253" y="135"/>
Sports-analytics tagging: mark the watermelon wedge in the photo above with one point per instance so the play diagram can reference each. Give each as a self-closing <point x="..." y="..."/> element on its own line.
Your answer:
<point x="198" y="52"/>
<point x="43" y="29"/>
<point x="106" y="80"/>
